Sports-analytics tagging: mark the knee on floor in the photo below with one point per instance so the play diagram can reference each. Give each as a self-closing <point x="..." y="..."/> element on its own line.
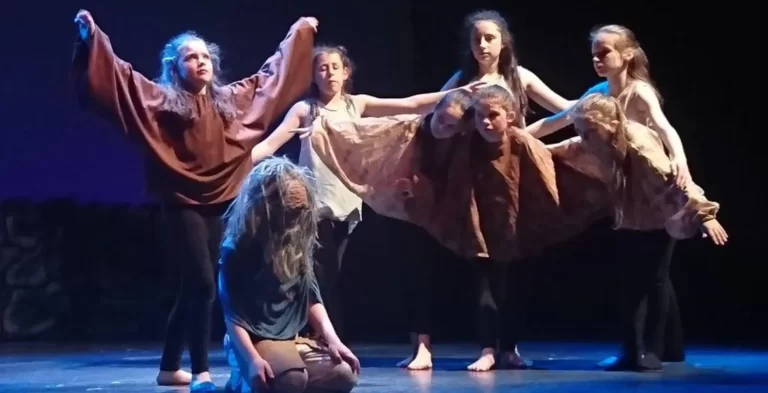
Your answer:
<point x="341" y="380"/>
<point x="292" y="381"/>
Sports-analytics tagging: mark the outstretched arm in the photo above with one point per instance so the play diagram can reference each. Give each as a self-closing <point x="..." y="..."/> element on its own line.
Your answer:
<point x="371" y="106"/>
<point x="282" y="134"/>
<point x="668" y="134"/>
<point x="538" y="91"/>
<point x="110" y="86"/>
<point x="549" y="125"/>
<point x="283" y="78"/>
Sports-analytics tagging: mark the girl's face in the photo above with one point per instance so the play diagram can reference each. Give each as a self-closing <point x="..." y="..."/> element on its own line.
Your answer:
<point x="492" y="121"/>
<point x="607" y="59"/>
<point x="486" y="42"/>
<point x="330" y="73"/>
<point x="194" y="63"/>
<point x="445" y="121"/>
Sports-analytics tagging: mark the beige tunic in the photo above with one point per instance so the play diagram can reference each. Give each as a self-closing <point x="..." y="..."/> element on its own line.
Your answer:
<point x="336" y="201"/>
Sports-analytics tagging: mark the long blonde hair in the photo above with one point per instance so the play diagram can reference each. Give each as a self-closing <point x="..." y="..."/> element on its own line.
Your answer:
<point x="598" y="116"/>
<point x="276" y="207"/>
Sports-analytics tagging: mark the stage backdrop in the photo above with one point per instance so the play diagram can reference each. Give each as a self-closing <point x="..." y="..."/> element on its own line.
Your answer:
<point x="81" y="252"/>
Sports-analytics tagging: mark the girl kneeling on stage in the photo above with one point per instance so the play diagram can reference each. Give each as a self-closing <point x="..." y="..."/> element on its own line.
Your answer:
<point x="268" y="290"/>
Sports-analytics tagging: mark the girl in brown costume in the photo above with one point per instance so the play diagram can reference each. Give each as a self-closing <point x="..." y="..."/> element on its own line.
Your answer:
<point x="618" y="57"/>
<point x="490" y="58"/>
<point x="197" y="134"/>
<point x="652" y="211"/>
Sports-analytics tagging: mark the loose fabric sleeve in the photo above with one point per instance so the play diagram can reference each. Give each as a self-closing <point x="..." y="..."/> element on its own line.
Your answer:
<point x="283" y="78"/>
<point x="112" y="88"/>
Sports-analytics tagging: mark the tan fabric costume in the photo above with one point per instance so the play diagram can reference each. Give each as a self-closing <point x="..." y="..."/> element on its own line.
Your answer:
<point x="502" y="201"/>
<point x="651" y="200"/>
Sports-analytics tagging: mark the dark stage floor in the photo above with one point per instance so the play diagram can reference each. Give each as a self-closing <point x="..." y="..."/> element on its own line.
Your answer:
<point x="561" y="367"/>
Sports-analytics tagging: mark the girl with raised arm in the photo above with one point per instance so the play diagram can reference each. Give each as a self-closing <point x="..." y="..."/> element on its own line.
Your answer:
<point x="197" y="134"/>
<point x="330" y="98"/>
<point x="490" y="58"/>
<point x="269" y="292"/>
<point x="651" y="211"/>
<point x="618" y="57"/>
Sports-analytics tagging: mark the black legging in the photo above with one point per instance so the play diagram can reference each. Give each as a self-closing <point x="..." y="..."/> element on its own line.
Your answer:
<point x="648" y="303"/>
<point x="504" y="290"/>
<point x="195" y="234"/>
<point x="418" y="251"/>
<point x="331" y="234"/>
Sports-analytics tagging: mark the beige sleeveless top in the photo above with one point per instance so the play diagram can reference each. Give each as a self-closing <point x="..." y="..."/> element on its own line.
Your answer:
<point x="336" y="201"/>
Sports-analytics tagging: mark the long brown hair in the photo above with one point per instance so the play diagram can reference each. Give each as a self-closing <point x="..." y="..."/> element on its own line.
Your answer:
<point x="507" y="59"/>
<point x="602" y="124"/>
<point x="314" y="92"/>
<point x="276" y="207"/>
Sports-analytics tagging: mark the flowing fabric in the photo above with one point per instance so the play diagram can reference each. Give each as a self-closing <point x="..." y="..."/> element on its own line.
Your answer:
<point x="503" y="201"/>
<point x="652" y="199"/>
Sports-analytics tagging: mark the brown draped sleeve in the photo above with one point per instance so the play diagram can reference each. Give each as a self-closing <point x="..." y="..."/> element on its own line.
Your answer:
<point x="283" y="78"/>
<point x="372" y="157"/>
<point x="528" y="201"/>
<point x="112" y="88"/>
<point x="653" y="199"/>
<point x="401" y="171"/>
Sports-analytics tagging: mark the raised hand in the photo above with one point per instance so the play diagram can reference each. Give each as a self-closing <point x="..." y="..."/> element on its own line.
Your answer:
<point x="85" y="24"/>
<point x="306" y="21"/>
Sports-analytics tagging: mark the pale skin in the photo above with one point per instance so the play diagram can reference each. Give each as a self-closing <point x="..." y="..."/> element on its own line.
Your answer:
<point x="487" y="45"/>
<point x="330" y="76"/>
<point x="612" y="63"/>
<point x="194" y="65"/>
<point x="259" y="369"/>
<point x="486" y="48"/>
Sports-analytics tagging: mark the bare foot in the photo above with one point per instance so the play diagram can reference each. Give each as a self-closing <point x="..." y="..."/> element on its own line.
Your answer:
<point x="485" y="362"/>
<point x="173" y="378"/>
<point x="422" y="360"/>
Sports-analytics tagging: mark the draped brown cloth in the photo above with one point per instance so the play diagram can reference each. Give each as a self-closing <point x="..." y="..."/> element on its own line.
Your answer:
<point x="652" y="199"/>
<point x="504" y="201"/>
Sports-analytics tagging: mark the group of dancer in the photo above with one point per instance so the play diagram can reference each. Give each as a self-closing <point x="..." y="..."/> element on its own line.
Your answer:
<point x="277" y="252"/>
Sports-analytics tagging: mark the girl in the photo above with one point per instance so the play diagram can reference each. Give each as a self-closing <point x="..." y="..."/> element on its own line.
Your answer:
<point x="197" y="133"/>
<point x="330" y="97"/>
<point x="618" y="57"/>
<point x="269" y="292"/>
<point x="651" y="211"/>
<point x="490" y="58"/>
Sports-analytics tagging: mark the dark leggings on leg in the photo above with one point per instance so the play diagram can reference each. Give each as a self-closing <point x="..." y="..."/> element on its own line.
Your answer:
<point x="327" y="269"/>
<point x="418" y="257"/>
<point x="504" y="290"/>
<point x="647" y="295"/>
<point x="195" y="234"/>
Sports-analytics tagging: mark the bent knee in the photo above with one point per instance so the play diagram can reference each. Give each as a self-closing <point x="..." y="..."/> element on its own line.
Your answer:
<point x="292" y="381"/>
<point x="341" y="380"/>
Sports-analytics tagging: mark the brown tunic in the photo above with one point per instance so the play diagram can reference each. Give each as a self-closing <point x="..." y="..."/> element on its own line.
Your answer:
<point x="652" y="199"/>
<point x="503" y="201"/>
<point x="201" y="161"/>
